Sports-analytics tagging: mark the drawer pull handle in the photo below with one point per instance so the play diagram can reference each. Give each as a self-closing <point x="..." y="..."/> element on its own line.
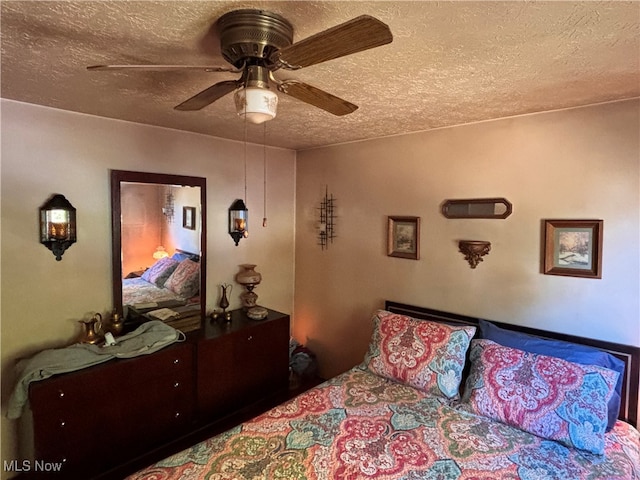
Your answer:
<point x="176" y="361"/>
<point x="62" y="423"/>
<point x="177" y="415"/>
<point x="60" y="393"/>
<point x="176" y="385"/>
<point x="250" y="337"/>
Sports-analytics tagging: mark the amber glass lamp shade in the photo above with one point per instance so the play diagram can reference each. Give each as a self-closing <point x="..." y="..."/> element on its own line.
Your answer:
<point x="57" y="225"/>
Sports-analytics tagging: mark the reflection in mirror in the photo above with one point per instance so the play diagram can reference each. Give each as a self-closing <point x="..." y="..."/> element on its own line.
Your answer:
<point x="477" y="208"/>
<point x="158" y="256"/>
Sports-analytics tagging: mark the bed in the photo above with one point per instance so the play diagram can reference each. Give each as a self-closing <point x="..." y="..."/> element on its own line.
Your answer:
<point x="170" y="279"/>
<point x="433" y="400"/>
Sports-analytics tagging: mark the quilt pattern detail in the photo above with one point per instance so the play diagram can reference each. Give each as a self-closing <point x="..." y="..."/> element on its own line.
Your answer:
<point x="360" y="426"/>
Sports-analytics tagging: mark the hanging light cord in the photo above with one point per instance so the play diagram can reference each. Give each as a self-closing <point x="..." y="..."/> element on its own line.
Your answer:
<point x="245" y="153"/>
<point x="264" y="162"/>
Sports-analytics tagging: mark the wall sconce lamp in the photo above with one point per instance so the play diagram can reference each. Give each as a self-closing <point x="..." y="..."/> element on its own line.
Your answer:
<point x="238" y="221"/>
<point x="57" y="225"/>
<point x="474" y="250"/>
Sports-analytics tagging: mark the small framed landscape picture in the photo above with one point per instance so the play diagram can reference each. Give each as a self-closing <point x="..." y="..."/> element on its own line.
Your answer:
<point x="404" y="237"/>
<point x="189" y="217"/>
<point x="573" y="248"/>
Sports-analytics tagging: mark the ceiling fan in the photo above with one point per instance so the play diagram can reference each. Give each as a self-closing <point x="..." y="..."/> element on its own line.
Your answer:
<point x="257" y="43"/>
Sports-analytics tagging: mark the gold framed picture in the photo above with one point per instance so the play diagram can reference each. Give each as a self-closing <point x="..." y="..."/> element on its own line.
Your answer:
<point x="403" y="238"/>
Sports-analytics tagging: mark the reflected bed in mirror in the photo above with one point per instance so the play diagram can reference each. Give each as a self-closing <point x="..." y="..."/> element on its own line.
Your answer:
<point x="477" y="208"/>
<point x="157" y="262"/>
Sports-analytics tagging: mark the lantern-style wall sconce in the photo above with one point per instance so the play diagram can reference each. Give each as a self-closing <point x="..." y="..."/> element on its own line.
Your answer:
<point x="57" y="225"/>
<point x="238" y="221"/>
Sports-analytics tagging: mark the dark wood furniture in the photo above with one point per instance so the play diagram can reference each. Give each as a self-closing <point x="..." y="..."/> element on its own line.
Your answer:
<point x="100" y="419"/>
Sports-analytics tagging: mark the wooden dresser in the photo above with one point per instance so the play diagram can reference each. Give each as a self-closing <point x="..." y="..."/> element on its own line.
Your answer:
<point x="105" y="416"/>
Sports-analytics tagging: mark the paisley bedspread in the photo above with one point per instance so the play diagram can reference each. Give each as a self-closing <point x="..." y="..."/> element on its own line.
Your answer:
<point x="137" y="290"/>
<point x="362" y="426"/>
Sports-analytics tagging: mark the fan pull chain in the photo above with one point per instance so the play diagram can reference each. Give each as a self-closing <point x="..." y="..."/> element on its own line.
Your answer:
<point x="264" y="163"/>
<point x="245" y="153"/>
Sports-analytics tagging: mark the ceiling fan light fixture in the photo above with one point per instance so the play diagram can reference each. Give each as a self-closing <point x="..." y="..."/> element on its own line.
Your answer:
<point x="257" y="105"/>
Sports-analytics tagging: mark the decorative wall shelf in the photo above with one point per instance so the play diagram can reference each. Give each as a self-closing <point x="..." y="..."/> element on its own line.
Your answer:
<point x="474" y="250"/>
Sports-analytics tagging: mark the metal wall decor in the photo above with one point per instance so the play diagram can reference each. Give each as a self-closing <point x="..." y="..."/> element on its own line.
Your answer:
<point x="168" y="209"/>
<point x="326" y="225"/>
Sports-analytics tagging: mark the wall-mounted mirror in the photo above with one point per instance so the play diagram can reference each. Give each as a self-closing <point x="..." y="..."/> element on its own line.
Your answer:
<point x="477" y="208"/>
<point x="159" y="257"/>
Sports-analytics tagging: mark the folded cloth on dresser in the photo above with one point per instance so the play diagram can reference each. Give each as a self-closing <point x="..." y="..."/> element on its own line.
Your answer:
<point x="147" y="338"/>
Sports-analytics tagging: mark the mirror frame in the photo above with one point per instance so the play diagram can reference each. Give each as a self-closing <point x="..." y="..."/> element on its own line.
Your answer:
<point x="123" y="176"/>
<point x="476" y="201"/>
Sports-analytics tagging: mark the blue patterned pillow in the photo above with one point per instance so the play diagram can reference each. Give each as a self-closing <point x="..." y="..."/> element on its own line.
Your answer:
<point x="426" y="355"/>
<point x="547" y="396"/>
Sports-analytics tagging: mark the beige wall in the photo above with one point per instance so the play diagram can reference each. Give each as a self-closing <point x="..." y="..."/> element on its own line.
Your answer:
<point x="47" y="151"/>
<point x="580" y="163"/>
<point x="574" y="164"/>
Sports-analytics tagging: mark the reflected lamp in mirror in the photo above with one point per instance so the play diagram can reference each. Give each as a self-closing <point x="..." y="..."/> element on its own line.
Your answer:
<point x="238" y="221"/>
<point x="160" y="253"/>
<point x="498" y="208"/>
<point x="57" y="225"/>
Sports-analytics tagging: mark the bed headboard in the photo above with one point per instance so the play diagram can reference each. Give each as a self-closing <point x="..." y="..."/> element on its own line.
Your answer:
<point x="193" y="256"/>
<point x="628" y="354"/>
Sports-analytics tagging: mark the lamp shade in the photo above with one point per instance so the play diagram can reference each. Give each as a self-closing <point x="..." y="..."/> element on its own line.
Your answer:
<point x="160" y="253"/>
<point x="57" y="225"/>
<point x="238" y="221"/>
<point x="257" y="105"/>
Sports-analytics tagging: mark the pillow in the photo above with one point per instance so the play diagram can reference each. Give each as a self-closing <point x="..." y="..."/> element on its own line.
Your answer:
<point x="547" y="396"/>
<point x="160" y="271"/>
<point x="185" y="280"/>
<point x="571" y="352"/>
<point x="426" y="355"/>
<point x="180" y="256"/>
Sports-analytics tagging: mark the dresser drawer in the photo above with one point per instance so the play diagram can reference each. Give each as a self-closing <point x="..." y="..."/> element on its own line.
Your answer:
<point x="122" y="408"/>
<point x="244" y="364"/>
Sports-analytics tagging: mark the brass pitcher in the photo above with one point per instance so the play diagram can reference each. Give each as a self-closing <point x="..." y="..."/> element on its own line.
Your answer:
<point x="91" y="330"/>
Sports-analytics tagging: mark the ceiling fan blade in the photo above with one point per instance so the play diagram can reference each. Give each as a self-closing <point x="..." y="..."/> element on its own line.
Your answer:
<point x="209" y="95"/>
<point x="163" y="68"/>
<point x="356" y="35"/>
<point x="316" y="97"/>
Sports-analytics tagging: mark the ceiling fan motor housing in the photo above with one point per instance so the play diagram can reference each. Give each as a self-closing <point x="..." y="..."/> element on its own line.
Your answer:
<point x="248" y="36"/>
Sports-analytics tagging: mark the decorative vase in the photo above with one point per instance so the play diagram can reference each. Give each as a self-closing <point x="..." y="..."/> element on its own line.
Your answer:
<point x="248" y="278"/>
<point x="117" y="324"/>
<point x="90" y="330"/>
<point x="224" y="301"/>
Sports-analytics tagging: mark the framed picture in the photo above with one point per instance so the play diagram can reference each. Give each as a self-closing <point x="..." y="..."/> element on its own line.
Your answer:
<point x="189" y="217"/>
<point x="403" y="239"/>
<point x="573" y="248"/>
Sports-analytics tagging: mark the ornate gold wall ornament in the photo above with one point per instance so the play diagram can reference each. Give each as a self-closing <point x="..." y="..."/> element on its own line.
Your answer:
<point x="474" y="250"/>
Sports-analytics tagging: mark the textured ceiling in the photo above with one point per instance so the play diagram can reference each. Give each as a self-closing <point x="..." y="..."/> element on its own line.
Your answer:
<point x="450" y="63"/>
